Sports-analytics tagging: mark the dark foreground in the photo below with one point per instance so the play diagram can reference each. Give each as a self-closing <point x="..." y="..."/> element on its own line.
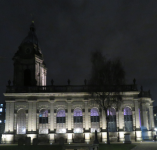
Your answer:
<point x="58" y="147"/>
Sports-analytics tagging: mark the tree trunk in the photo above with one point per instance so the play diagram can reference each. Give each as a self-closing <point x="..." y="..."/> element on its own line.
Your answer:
<point x="108" y="139"/>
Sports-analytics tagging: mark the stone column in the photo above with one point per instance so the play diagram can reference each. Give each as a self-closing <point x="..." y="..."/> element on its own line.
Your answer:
<point x="45" y="77"/>
<point x="15" y="118"/>
<point x="86" y="116"/>
<point x="9" y="125"/>
<point x="117" y="120"/>
<point x="27" y="121"/>
<point x="151" y="116"/>
<point x="69" y="116"/>
<point x="103" y="120"/>
<point x="52" y="116"/>
<point x="133" y="120"/>
<point x="104" y="125"/>
<point x="144" y="116"/>
<point x="121" y="124"/>
<point x="137" y="119"/>
<point x="121" y="119"/>
<point x="32" y="116"/>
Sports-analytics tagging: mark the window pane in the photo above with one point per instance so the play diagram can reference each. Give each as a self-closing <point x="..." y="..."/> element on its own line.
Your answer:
<point x="77" y="119"/>
<point x="95" y="125"/>
<point x="78" y="125"/>
<point x="112" y="127"/>
<point x="128" y="119"/>
<point x="21" y="122"/>
<point x="60" y="118"/>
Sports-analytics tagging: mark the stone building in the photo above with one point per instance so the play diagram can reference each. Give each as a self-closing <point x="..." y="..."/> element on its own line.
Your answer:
<point x="155" y="117"/>
<point x="36" y="110"/>
<point x="2" y="119"/>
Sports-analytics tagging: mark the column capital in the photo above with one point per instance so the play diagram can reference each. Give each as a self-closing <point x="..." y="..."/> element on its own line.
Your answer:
<point x="52" y="101"/>
<point x="85" y="101"/>
<point x="69" y="101"/>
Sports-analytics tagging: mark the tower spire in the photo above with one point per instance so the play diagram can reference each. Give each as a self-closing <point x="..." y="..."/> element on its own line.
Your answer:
<point x="32" y="27"/>
<point x="29" y="49"/>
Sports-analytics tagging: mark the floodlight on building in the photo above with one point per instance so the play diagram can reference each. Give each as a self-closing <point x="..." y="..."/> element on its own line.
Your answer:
<point x="63" y="130"/>
<point x="77" y="130"/>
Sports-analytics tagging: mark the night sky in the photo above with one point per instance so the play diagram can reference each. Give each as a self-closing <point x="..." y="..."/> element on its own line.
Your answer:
<point x="69" y="30"/>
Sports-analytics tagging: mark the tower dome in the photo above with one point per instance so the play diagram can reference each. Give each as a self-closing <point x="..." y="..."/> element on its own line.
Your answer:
<point x="29" y="66"/>
<point x="30" y="45"/>
<point x="31" y="38"/>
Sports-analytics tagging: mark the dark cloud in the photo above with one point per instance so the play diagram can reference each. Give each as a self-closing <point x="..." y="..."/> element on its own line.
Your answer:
<point x="69" y="30"/>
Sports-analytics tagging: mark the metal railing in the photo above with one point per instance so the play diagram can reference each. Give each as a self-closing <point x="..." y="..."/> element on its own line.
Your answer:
<point x="70" y="88"/>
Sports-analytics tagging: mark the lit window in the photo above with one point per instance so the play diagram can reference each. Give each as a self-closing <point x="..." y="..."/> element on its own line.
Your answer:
<point x="1" y="105"/>
<point x="95" y="125"/>
<point x="1" y="109"/>
<point x="78" y="121"/>
<point x="0" y="121"/>
<point x="43" y="116"/>
<point x="60" y="120"/>
<point x="154" y="114"/>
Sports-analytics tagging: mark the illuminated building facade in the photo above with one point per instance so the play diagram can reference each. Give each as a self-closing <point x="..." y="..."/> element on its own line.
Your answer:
<point x="155" y="116"/>
<point x="2" y="119"/>
<point x="36" y="110"/>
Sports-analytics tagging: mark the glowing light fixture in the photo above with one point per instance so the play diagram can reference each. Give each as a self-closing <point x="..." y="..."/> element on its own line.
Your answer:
<point x="63" y="130"/>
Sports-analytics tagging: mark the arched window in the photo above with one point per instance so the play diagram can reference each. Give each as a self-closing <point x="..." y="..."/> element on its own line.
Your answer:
<point x="43" y="121"/>
<point x="78" y="121"/>
<point x="21" y="122"/>
<point x="60" y="119"/>
<point x="27" y="77"/>
<point x="128" y="119"/>
<point x="112" y="120"/>
<point x="43" y="116"/>
<point x="95" y="125"/>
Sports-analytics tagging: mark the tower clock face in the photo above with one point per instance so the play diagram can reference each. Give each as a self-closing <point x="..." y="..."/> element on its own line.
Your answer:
<point x="28" y="50"/>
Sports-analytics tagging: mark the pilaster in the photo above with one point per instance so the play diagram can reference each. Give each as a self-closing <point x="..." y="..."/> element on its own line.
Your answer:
<point x="69" y="116"/>
<point x="144" y="116"/>
<point x="15" y="119"/>
<point x="134" y="120"/>
<point x="151" y="117"/>
<point x="52" y="116"/>
<point x="117" y="120"/>
<point x="9" y="125"/>
<point x="32" y="116"/>
<point x="103" y="120"/>
<point x="86" y="116"/>
<point x="137" y="119"/>
<point x="121" y="119"/>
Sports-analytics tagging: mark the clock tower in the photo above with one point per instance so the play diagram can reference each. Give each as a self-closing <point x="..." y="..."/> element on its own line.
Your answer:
<point x="29" y="66"/>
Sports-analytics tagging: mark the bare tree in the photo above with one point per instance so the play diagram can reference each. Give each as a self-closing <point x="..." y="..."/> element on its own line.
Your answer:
<point x="107" y="78"/>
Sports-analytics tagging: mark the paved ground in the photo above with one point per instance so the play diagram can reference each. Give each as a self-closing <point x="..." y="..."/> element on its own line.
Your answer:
<point x="145" y="146"/>
<point x="150" y="145"/>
